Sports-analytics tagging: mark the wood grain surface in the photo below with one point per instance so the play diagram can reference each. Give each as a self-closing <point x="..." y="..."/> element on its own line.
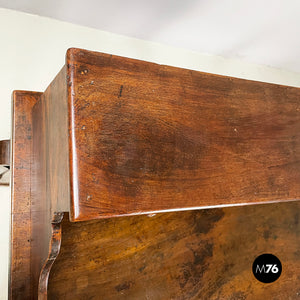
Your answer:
<point x="49" y="180"/>
<point x="113" y="136"/>
<point x="54" y="100"/>
<point x="40" y="191"/>
<point x="20" y="277"/>
<point x="147" y="137"/>
<point x="202" y="254"/>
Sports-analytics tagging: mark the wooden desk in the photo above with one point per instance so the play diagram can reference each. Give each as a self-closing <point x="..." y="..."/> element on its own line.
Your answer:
<point x="113" y="137"/>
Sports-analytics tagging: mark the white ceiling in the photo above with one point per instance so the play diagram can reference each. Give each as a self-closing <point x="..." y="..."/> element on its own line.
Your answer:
<point x="260" y="31"/>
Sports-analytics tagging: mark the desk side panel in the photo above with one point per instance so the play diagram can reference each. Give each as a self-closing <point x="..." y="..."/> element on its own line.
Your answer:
<point x="20" y="285"/>
<point x="49" y="180"/>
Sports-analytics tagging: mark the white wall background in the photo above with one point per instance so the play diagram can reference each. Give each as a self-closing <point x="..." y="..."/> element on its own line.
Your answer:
<point x="32" y="51"/>
<point x="264" y="32"/>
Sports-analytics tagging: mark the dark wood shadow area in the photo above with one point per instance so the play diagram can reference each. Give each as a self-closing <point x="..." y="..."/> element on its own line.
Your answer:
<point x="201" y="254"/>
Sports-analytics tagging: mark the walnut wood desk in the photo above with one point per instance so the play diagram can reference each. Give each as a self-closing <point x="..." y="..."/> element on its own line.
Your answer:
<point x="153" y="145"/>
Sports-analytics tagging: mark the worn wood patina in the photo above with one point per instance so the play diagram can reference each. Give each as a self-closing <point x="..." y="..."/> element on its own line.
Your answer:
<point x="115" y="137"/>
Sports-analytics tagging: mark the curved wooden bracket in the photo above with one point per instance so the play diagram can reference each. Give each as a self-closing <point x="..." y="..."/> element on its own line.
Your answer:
<point x="54" y="249"/>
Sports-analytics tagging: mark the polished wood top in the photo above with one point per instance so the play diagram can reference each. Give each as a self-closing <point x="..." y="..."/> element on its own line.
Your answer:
<point x="146" y="137"/>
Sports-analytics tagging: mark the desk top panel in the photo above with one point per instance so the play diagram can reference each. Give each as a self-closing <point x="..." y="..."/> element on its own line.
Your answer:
<point x="146" y="138"/>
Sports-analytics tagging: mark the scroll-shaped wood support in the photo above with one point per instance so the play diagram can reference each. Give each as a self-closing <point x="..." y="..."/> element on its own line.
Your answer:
<point x="113" y="136"/>
<point x="54" y="249"/>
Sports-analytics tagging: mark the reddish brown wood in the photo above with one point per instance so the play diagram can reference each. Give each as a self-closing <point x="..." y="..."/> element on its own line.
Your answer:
<point x="5" y="152"/>
<point x="113" y="136"/>
<point x="54" y="101"/>
<point x="20" y="270"/>
<point x="36" y="207"/>
<point x="49" y="180"/>
<point x="40" y="204"/>
<point x="204" y="254"/>
<point x="146" y="137"/>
